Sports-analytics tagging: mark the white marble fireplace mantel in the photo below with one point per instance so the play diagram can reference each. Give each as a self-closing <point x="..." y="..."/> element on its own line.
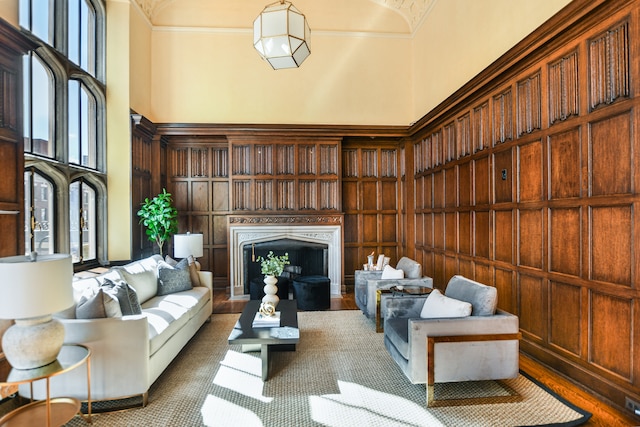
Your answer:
<point x="247" y="233"/>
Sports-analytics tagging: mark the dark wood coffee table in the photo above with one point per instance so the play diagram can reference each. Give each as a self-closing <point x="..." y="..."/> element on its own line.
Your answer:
<point x="283" y="338"/>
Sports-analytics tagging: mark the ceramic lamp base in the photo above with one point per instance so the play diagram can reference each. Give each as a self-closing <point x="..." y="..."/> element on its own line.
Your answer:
<point x="32" y="343"/>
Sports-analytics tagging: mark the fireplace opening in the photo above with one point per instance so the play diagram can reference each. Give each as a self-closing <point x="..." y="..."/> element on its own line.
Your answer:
<point x="312" y="258"/>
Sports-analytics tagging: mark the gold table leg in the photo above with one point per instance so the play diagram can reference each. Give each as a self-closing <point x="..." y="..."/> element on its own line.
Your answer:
<point x="379" y="321"/>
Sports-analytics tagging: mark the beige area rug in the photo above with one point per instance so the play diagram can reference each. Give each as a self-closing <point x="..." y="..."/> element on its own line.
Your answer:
<point x="339" y="375"/>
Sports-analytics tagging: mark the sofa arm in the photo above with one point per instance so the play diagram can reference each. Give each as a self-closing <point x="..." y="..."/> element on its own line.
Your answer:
<point x="498" y="324"/>
<point x="206" y="279"/>
<point x="119" y="359"/>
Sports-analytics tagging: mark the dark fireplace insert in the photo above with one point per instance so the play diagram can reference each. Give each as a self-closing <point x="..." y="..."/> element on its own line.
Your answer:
<point x="311" y="257"/>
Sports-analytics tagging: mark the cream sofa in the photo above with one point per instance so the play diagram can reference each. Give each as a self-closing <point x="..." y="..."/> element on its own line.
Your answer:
<point x="129" y="352"/>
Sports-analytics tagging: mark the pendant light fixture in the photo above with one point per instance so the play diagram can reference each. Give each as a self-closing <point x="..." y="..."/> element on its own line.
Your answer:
<point x="281" y="35"/>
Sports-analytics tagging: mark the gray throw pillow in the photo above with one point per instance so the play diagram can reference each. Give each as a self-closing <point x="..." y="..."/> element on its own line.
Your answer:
<point x="125" y="294"/>
<point x="172" y="280"/>
<point x="98" y="305"/>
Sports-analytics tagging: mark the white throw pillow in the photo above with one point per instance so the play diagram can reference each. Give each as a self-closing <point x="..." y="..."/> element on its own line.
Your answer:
<point x="438" y="306"/>
<point x="391" y="273"/>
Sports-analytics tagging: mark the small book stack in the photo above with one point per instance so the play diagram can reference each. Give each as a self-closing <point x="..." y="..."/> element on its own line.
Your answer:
<point x="262" y="321"/>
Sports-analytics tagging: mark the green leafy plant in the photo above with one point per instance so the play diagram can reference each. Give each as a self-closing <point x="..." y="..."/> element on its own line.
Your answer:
<point x="273" y="265"/>
<point x="160" y="218"/>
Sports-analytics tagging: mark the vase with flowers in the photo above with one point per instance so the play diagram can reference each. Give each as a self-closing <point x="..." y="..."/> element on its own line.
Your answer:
<point x="272" y="266"/>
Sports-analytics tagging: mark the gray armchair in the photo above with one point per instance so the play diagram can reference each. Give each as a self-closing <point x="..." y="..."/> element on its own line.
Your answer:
<point x="482" y="346"/>
<point x="412" y="277"/>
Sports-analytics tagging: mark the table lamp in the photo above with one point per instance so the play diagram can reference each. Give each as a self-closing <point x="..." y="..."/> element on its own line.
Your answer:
<point x="32" y="288"/>
<point x="188" y="244"/>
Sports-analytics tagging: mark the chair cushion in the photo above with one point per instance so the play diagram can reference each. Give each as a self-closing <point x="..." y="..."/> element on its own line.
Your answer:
<point x="483" y="298"/>
<point x="412" y="270"/>
<point x="438" y="306"/>
<point x="142" y="276"/>
<point x="391" y="273"/>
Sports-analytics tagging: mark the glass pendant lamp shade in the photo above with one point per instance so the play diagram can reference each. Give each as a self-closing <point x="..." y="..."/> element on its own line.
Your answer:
<point x="281" y="35"/>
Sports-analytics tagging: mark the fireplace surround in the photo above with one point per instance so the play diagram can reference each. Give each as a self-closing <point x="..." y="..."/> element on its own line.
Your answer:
<point x="314" y="229"/>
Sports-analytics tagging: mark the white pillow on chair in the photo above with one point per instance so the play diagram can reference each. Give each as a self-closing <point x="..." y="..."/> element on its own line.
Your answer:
<point x="391" y="273"/>
<point x="438" y="306"/>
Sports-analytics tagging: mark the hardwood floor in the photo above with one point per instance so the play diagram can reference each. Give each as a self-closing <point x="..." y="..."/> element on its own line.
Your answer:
<point x="603" y="414"/>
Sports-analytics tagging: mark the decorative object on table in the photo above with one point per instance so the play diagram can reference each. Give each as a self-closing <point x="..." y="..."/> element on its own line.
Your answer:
<point x="281" y="35"/>
<point x="370" y="261"/>
<point x="272" y="267"/>
<point x="266" y="316"/>
<point x="33" y="288"/>
<point x="267" y="309"/>
<point x="160" y="218"/>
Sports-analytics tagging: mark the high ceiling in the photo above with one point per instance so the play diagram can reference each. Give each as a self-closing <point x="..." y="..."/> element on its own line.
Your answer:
<point x="370" y="16"/>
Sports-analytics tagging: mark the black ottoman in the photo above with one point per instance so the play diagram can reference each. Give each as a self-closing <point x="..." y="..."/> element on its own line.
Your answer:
<point x="256" y="288"/>
<point x="312" y="292"/>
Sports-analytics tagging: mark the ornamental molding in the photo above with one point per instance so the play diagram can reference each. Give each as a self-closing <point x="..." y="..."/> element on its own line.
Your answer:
<point x="413" y="11"/>
<point x="287" y="220"/>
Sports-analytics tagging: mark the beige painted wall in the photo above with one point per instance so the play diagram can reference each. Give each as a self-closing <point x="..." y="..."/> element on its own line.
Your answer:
<point x="460" y="38"/>
<point x="140" y="61"/>
<point x="118" y="130"/>
<point x="211" y="77"/>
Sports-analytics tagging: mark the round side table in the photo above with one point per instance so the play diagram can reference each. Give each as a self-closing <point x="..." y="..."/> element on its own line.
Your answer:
<point x="51" y="411"/>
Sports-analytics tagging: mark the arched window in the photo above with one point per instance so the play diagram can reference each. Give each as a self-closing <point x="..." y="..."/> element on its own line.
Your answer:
<point x="82" y="219"/>
<point x="82" y="125"/>
<point x="39" y="197"/>
<point x="38" y="97"/>
<point x="64" y="124"/>
<point x="82" y="30"/>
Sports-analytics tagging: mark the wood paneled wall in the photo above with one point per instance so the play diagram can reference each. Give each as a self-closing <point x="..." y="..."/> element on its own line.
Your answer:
<point x="12" y="47"/>
<point x="371" y="199"/>
<point x="528" y="182"/>
<point x="199" y="180"/>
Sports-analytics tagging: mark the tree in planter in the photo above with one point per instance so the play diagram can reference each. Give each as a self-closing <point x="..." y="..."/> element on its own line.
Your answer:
<point x="159" y="217"/>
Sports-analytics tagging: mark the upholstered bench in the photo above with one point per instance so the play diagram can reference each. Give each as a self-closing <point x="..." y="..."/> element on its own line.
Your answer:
<point x="312" y="292"/>
<point x="256" y="288"/>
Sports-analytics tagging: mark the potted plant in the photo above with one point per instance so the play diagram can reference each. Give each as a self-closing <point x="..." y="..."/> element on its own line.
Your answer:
<point x="160" y="218"/>
<point x="272" y="267"/>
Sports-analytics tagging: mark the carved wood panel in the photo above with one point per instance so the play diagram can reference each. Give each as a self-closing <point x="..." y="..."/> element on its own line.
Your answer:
<point x="538" y="195"/>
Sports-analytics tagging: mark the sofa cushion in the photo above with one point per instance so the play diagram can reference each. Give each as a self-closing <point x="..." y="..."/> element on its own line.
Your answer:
<point x="438" y="306"/>
<point x="483" y="298"/>
<point x="193" y="299"/>
<point x="142" y="276"/>
<point x="125" y="294"/>
<point x="412" y="270"/>
<point x="171" y="280"/>
<point x="99" y="304"/>
<point x="391" y="273"/>
<point x="165" y="319"/>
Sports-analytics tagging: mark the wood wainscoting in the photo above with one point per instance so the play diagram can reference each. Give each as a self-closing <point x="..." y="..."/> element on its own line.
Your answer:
<point x="527" y="180"/>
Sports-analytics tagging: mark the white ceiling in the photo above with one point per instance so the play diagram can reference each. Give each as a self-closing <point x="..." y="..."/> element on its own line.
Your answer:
<point x="369" y="16"/>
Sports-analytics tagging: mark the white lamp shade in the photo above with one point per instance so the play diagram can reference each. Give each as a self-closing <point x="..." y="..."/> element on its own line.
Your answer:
<point x="35" y="288"/>
<point x="281" y="35"/>
<point x="187" y="244"/>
